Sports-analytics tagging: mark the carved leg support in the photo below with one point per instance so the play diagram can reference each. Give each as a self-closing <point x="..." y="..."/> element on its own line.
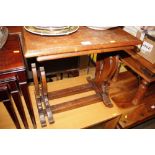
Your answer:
<point x="105" y="71"/>
<point x="105" y="94"/>
<point x="37" y="96"/>
<point x="140" y="92"/>
<point x="42" y="96"/>
<point x="41" y="112"/>
<point x="115" y="77"/>
<point x="45" y="95"/>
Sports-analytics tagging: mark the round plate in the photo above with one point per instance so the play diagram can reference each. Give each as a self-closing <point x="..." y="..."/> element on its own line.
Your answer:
<point x="51" y="27"/>
<point x="52" y="32"/>
<point x="100" y="27"/>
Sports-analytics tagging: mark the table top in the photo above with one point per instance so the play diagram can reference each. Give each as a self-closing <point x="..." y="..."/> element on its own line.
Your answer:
<point x="11" y="58"/>
<point x="83" y="40"/>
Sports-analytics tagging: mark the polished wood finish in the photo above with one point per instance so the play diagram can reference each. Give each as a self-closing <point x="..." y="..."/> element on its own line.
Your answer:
<point x="142" y="89"/>
<point x="12" y="72"/>
<point x="12" y="52"/>
<point x="6" y="99"/>
<point x="134" y="54"/>
<point x="140" y="69"/>
<point x="138" y="115"/>
<point x="41" y="95"/>
<point x="123" y="90"/>
<point x="15" y="29"/>
<point x="69" y="91"/>
<point x="79" y="53"/>
<point x="84" y="40"/>
<point x="17" y="99"/>
<point x="143" y="69"/>
<point x="76" y="103"/>
<point x="106" y="69"/>
<point x="37" y="96"/>
<point x="44" y="95"/>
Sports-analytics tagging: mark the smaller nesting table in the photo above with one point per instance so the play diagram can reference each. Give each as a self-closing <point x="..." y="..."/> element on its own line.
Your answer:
<point x="13" y="80"/>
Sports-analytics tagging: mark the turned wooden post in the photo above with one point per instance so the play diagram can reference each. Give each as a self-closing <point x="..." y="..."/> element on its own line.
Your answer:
<point x="140" y="92"/>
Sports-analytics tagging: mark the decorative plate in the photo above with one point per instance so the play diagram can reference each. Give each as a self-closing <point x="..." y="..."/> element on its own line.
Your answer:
<point x="51" y="27"/>
<point x="100" y="27"/>
<point x="52" y="31"/>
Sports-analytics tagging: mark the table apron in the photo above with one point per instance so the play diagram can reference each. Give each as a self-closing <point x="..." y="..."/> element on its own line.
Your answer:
<point x="80" y="53"/>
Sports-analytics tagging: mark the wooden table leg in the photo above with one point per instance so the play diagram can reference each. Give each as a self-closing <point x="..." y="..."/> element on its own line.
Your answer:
<point x="115" y="77"/>
<point x="142" y="89"/>
<point x="5" y="97"/>
<point x="17" y="99"/>
<point x="45" y="95"/>
<point x="38" y="96"/>
<point x="105" y="71"/>
<point x="24" y="88"/>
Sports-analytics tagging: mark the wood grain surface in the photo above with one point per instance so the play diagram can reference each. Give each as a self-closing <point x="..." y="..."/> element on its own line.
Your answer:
<point x="11" y="55"/>
<point x="84" y="39"/>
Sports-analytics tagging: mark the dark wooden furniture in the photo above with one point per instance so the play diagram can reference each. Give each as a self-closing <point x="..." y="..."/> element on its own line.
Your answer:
<point x="83" y="42"/>
<point x="6" y="99"/>
<point x="15" y="29"/>
<point x="13" y="76"/>
<point x="55" y="68"/>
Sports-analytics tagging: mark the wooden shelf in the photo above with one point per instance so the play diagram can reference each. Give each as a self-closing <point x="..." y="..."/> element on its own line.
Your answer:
<point x="134" y="54"/>
<point x="140" y="69"/>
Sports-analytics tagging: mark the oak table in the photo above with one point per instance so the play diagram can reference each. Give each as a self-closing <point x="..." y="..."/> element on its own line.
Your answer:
<point x="13" y="79"/>
<point x="83" y="42"/>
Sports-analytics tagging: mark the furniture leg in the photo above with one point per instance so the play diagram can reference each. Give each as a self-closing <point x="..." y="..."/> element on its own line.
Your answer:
<point x="24" y="88"/>
<point x="104" y="73"/>
<point x="18" y="102"/>
<point x="115" y="77"/>
<point x="99" y="67"/>
<point x="105" y="94"/>
<point x="142" y="89"/>
<point x="45" y="95"/>
<point x="38" y="96"/>
<point x="4" y="96"/>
